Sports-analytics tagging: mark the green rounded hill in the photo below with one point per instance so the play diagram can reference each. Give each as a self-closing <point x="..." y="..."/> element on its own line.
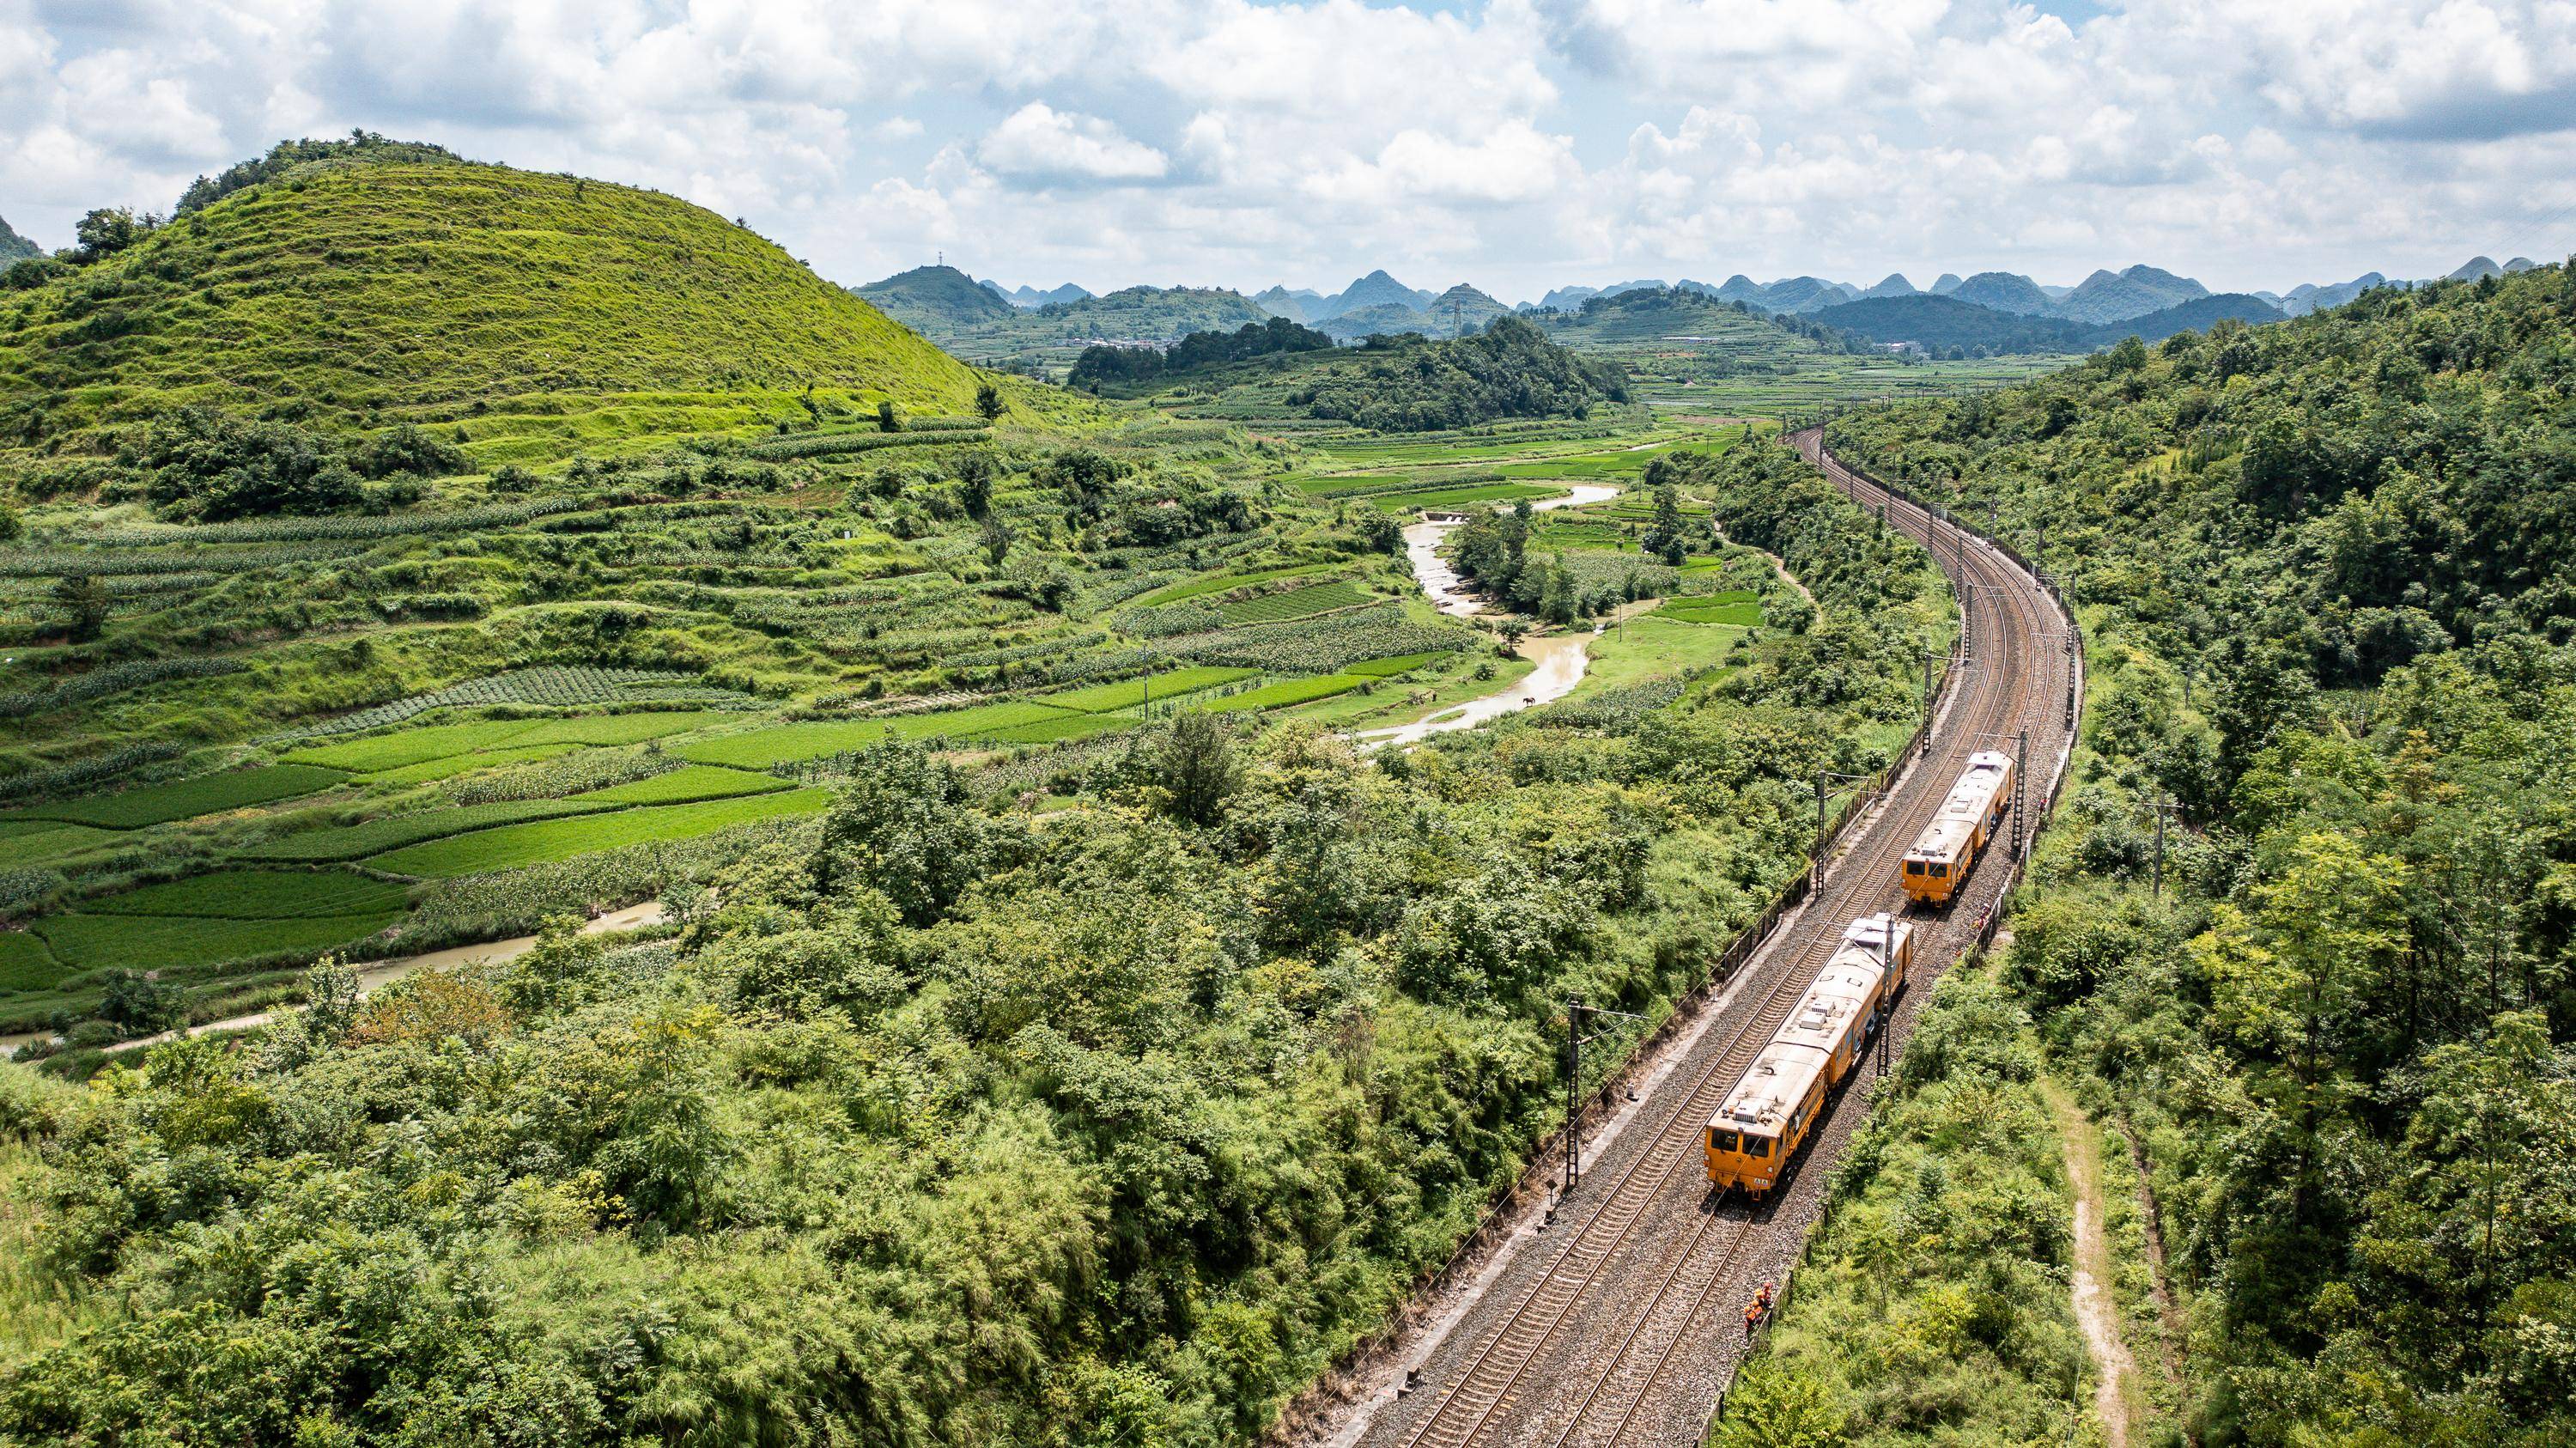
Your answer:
<point x="535" y="313"/>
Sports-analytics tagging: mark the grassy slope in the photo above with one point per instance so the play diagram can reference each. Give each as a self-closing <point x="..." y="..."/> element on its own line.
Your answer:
<point x="385" y="292"/>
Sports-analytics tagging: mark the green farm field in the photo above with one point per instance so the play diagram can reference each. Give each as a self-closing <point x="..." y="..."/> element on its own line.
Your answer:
<point x="514" y="846"/>
<point x="186" y="799"/>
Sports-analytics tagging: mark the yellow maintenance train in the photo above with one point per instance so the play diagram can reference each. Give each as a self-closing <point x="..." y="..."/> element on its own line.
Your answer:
<point x="1948" y="847"/>
<point x="1768" y="1114"/>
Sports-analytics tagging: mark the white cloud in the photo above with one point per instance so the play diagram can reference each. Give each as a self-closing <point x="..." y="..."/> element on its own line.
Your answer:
<point x="1040" y="143"/>
<point x="1517" y="143"/>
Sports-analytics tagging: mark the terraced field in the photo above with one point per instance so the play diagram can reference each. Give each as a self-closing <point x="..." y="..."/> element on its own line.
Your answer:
<point x="1296" y="603"/>
<point x="187" y="798"/>
<point x="515" y="846"/>
<point x="1169" y="684"/>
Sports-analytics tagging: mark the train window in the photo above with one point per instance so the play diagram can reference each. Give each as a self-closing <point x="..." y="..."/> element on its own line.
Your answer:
<point x="1940" y="872"/>
<point x="1914" y="867"/>
<point x="1726" y="1140"/>
<point x="1757" y="1145"/>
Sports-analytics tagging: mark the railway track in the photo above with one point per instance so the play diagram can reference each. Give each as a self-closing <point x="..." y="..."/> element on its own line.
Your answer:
<point x="1607" y="1335"/>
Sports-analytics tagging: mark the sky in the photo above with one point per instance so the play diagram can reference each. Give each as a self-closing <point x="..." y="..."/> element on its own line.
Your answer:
<point x="1518" y="145"/>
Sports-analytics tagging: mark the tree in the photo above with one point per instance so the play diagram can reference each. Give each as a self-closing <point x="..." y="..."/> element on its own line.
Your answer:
<point x="886" y="419"/>
<point x="906" y="827"/>
<point x="110" y="229"/>
<point x="136" y="1001"/>
<point x="975" y="472"/>
<point x="1664" y="537"/>
<point x="1196" y="767"/>
<point x="988" y="402"/>
<point x="997" y="542"/>
<point x="80" y="597"/>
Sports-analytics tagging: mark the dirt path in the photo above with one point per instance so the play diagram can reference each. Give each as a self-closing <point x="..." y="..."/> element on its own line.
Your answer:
<point x="2094" y="1308"/>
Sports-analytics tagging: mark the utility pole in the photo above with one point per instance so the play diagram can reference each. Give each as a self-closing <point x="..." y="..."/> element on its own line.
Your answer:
<point x="1573" y="1084"/>
<point x="2161" y="807"/>
<point x="1816" y="878"/>
<point x="1929" y="655"/>
<point x="1887" y="1016"/>
<point x="1575" y="1011"/>
<point x="2021" y="774"/>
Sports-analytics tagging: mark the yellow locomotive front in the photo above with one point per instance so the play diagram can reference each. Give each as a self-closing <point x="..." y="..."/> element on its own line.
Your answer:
<point x="1766" y="1117"/>
<point x="1947" y="850"/>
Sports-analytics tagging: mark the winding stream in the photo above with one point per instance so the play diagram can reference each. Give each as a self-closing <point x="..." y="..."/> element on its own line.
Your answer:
<point x="1562" y="659"/>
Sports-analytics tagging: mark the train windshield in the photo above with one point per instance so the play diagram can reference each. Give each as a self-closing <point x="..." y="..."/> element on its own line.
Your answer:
<point x="1757" y="1146"/>
<point x="1724" y="1140"/>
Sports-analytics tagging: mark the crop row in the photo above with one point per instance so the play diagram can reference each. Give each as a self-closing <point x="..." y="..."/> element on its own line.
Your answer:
<point x="84" y="942"/>
<point x="256" y="895"/>
<point x="1227" y="582"/>
<point x="113" y="679"/>
<point x="1284" y="692"/>
<point x="1295" y="603"/>
<point x="392" y="832"/>
<point x="1170" y="684"/>
<point x="405" y="747"/>
<point x="312" y="529"/>
<point x="547" y="684"/>
<point x="827" y="444"/>
<point x="1323" y="644"/>
<point x="1464" y="497"/>
<point x="87" y="562"/>
<point x="813" y="739"/>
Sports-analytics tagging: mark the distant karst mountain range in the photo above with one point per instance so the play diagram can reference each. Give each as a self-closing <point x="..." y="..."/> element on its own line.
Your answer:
<point x="2001" y="307"/>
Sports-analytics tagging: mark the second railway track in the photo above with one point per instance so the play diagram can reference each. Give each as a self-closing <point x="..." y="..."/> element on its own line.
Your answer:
<point x="1607" y="1333"/>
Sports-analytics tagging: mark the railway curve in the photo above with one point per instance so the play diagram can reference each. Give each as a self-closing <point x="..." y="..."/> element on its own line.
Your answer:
<point x="1614" y="1318"/>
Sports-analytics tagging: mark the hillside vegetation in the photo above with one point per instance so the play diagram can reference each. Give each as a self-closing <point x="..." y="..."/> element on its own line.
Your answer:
<point x="2329" y="584"/>
<point x="524" y="314"/>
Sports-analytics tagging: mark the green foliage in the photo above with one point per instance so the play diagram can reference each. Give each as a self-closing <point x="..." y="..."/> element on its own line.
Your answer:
<point x="291" y="157"/>
<point x="906" y="829"/>
<point x="2328" y="610"/>
<point x="1508" y="370"/>
<point x="1101" y="366"/>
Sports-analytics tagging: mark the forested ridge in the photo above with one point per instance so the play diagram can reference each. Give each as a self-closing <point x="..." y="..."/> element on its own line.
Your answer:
<point x="2329" y="595"/>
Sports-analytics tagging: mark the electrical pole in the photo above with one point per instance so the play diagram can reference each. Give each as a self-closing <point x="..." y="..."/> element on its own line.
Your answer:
<point x="2021" y="774"/>
<point x="1816" y="873"/>
<point x="1573" y="1084"/>
<point x="1575" y="1011"/>
<point x="1925" y="745"/>
<point x="1886" y="1016"/>
<point x="2161" y="807"/>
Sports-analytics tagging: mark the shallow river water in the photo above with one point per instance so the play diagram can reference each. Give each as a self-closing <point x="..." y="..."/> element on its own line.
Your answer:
<point x="1561" y="658"/>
